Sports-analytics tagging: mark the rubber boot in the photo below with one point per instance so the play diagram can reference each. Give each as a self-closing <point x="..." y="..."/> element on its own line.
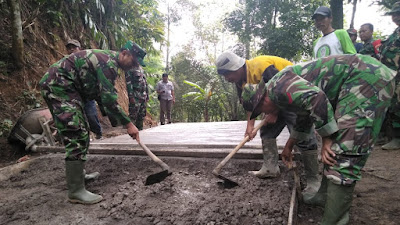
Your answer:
<point x="394" y="144"/>
<point x="270" y="168"/>
<point x="311" y="167"/>
<point x="91" y="176"/>
<point x="319" y="198"/>
<point x="338" y="204"/>
<point x="76" y="184"/>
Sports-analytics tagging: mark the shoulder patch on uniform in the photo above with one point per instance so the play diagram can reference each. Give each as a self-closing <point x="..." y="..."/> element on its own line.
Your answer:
<point x="289" y="97"/>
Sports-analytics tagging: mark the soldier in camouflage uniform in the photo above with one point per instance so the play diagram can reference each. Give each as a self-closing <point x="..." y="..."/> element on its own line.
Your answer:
<point x="240" y="71"/>
<point x="136" y="85"/>
<point x="390" y="56"/>
<point x="346" y="98"/>
<point x="370" y="45"/>
<point x="78" y="78"/>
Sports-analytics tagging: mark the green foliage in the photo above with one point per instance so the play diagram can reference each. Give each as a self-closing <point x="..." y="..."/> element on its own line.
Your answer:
<point x="5" y="127"/>
<point x="200" y="93"/>
<point x="283" y="28"/>
<point x="30" y="99"/>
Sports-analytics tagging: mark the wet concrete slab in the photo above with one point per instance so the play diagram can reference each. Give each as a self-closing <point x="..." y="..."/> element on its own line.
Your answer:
<point x="194" y="135"/>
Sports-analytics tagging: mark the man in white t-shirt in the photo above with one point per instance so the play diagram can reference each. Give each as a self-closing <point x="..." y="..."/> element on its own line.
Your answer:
<point x="165" y="90"/>
<point x="333" y="42"/>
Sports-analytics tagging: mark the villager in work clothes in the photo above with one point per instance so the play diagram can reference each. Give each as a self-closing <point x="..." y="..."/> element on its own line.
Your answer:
<point x="90" y="106"/>
<point x="165" y="90"/>
<point x="333" y="42"/>
<point x="390" y="56"/>
<point x="353" y="37"/>
<point x="370" y="45"/>
<point x="137" y="88"/>
<point x="240" y="71"/>
<point x="346" y="98"/>
<point x="67" y="85"/>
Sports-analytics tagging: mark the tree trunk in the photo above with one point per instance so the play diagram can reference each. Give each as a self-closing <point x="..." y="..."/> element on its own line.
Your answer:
<point x="354" y="13"/>
<point x="337" y="13"/>
<point x="16" y="31"/>
<point x="247" y="32"/>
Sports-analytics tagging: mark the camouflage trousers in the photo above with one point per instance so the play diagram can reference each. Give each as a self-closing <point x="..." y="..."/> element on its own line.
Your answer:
<point x="137" y="112"/>
<point x="358" y="132"/>
<point x="394" y="113"/>
<point x="287" y="118"/>
<point x="67" y="107"/>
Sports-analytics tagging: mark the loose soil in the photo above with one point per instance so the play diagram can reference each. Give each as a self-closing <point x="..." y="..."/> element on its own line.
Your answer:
<point x="191" y="195"/>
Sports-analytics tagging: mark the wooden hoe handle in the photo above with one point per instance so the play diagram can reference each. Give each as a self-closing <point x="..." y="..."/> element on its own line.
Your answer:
<point x="233" y="152"/>
<point x="154" y="157"/>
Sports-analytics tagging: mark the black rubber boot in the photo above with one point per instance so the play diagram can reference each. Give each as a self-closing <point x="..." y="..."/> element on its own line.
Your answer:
<point x="76" y="184"/>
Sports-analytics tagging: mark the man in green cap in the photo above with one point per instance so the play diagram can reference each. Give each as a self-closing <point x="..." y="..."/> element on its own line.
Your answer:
<point x="390" y="56"/>
<point x="346" y="98"/>
<point x="67" y="85"/>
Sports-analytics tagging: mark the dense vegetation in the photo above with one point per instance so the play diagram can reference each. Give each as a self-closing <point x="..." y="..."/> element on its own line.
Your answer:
<point x="275" y="27"/>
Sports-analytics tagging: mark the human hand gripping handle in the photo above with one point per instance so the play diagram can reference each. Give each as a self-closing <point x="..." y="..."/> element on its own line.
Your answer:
<point x="133" y="131"/>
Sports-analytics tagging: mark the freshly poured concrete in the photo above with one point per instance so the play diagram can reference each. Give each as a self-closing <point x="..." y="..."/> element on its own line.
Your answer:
<point x="193" y="135"/>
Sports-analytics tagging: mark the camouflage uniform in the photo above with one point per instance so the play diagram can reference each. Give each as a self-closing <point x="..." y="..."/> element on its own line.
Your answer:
<point x="78" y="78"/>
<point x="137" y="88"/>
<point x="390" y="56"/>
<point x="345" y="96"/>
<point x="369" y="49"/>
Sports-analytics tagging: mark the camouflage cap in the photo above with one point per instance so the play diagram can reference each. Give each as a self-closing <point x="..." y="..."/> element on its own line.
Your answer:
<point x="73" y="42"/>
<point x="352" y="31"/>
<point x="395" y="9"/>
<point x="135" y="49"/>
<point x="252" y="96"/>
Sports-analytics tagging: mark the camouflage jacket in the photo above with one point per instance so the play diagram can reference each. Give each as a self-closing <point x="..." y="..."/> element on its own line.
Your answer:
<point x="369" y="49"/>
<point x="390" y="51"/>
<point x="92" y="73"/>
<point x="136" y="85"/>
<point x="323" y="90"/>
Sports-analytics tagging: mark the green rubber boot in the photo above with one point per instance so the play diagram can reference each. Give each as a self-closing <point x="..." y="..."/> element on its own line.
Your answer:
<point x="270" y="167"/>
<point x="91" y="176"/>
<point x="338" y="204"/>
<point x="319" y="198"/>
<point x="311" y="167"/>
<point x="76" y="184"/>
<point x="394" y="144"/>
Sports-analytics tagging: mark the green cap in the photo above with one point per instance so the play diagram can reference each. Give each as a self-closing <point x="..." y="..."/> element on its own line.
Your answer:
<point x="135" y="49"/>
<point x="395" y="9"/>
<point x="252" y="96"/>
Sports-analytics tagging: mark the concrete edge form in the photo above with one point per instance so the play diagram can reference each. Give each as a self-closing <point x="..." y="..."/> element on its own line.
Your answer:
<point x="172" y="152"/>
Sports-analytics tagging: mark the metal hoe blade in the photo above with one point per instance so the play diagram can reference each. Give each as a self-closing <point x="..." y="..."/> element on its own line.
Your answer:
<point x="227" y="183"/>
<point x="157" y="177"/>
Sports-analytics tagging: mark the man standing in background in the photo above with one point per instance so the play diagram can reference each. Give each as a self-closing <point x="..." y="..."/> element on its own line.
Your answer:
<point x="370" y="45"/>
<point x="90" y="106"/>
<point x="353" y="36"/>
<point x="165" y="89"/>
<point x="333" y="42"/>
<point x="138" y="94"/>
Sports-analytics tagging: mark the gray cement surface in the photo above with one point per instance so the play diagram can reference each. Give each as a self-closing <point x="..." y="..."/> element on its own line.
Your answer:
<point x="204" y="134"/>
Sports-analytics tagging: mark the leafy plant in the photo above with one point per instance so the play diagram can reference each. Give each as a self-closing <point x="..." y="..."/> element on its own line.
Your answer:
<point x="5" y="127"/>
